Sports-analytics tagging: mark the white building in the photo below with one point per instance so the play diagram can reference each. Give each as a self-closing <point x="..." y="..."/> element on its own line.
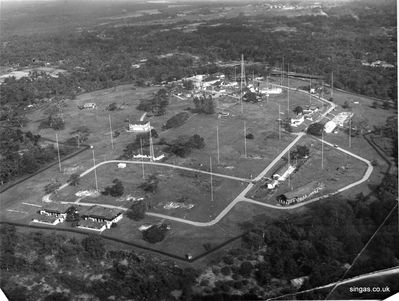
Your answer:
<point x="330" y="126"/>
<point x="273" y="91"/>
<point x="140" y="127"/>
<point x="52" y="214"/>
<point x="90" y="105"/>
<point x="297" y="121"/>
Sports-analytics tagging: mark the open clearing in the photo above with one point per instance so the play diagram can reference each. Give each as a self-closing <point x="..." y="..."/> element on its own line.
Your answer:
<point x="261" y="121"/>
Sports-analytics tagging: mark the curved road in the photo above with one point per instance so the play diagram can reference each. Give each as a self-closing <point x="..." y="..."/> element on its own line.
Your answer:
<point x="241" y="197"/>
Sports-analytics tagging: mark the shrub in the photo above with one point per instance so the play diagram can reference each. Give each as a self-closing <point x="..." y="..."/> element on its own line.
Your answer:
<point x="246" y="269"/>
<point x="151" y="184"/>
<point x="228" y="259"/>
<point x="155" y="233"/>
<point x="225" y="271"/>
<point x="204" y="282"/>
<point x="51" y="187"/>
<point x="115" y="190"/>
<point x="177" y="120"/>
<point x="207" y="246"/>
<point x="249" y="136"/>
<point x="137" y="211"/>
<point x="316" y="129"/>
<point x="74" y="179"/>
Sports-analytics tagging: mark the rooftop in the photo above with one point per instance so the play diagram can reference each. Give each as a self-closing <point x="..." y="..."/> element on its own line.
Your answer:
<point x="91" y="224"/>
<point x="101" y="212"/>
<point x="45" y="218"/>
<point x="56" y="207"/>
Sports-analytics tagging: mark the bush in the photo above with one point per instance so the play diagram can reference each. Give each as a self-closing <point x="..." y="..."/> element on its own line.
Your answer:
<point x="155" y="233"/>
<point x="112" y="107"/>
<point x="316" y="129"/>
<point x="207" y="246"/>
<point x="204" y="282"/>
<point x="137" y="211"/>
<point x="115" y="190"/>
<point x="225" y="271"/>
<point x="246" y="269"/>
<point x="249" y="136"/>
<point x="51" y="187"/>
<point x="177" y="120"/>
<point x="94" y="246"/>
<point x="74" y="179"/>
<point x="151" y="184"/>
<point x="228" y="259"/>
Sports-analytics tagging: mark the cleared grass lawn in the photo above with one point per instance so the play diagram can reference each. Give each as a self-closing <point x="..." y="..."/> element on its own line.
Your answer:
<point x="339" y="170"/>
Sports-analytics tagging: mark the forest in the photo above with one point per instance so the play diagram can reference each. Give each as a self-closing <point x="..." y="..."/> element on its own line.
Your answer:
<point x="318" y="45"/>
<point x="317" y="244"/>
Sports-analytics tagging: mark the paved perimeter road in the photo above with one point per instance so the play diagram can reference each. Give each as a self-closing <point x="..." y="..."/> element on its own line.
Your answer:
<point x="241" y="197"/>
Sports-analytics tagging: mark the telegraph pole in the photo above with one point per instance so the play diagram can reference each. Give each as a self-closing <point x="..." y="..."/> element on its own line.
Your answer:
<point x="332" y="83"/>
<point x="210" y="168"/>
<point x="58" y="152"/>
<point x="245" y="139"/>
<point x="322" y="150"/>
<point x="310" y="93"/>
<point x="95" y="169"/>
<point x="217" y="137"/>
<point x="350" y="132"/>
<point x="288" y="85"/>
<point x="267" y="88"/>
<point x="110" y="129"/>
<point x="279" y="123"/>
<point x="152" y="155"/>
<point x="142" y="162"/>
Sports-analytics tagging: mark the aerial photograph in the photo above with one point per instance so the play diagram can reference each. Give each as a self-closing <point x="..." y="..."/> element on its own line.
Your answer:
<point x="177" y="150"/>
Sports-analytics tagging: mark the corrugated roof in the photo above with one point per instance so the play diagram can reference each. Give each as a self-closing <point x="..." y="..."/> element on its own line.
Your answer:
<point x="101" y="212"/>
<point x="56" y="207"/>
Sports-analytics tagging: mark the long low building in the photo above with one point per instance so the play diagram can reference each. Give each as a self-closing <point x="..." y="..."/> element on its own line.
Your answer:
<point x="301" y="193"/>
<point x="52" y="214"/>
<point x="96" y="217"/>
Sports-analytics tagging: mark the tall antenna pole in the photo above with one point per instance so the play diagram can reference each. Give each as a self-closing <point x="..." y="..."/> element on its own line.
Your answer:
<point x="217" y="137"/>
<point x="322" y="150"/>
<point x="279" y="123"/>
<point x="350" y="132"/>
<point x="242" y="80"/>
<point x="288" y="85"/>
<point x="245" y="138"/>
<point x="95" y="169"/>
<point x="282" y="72"/>
<point x="142" y="162"/>
<point x="58" y="152"/>
<point x="210" y="168"/>
<point x="310" y="93"/>
<point x="332" y="83"/>
<point x="151" y="147"/>
<point x="267" y="89"/>
<point x="110" y="129"/>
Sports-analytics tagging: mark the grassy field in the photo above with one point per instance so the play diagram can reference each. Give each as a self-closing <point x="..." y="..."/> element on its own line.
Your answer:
<point x="339" y="170"/>
<point x="261" y="121"/>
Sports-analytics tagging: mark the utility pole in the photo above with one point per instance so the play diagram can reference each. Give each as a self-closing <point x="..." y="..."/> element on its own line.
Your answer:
<point x="310" y="93"/>
<point x="142" y="162"/>
<point x="332" y="83"/>
<point x="245" y="138"/>
<point x="110" y="129"/>
<point x="217" y="137"/>
<point x="95" y="169"/>
<point x="210" y="168"/>
<point x="242" y="81"/>
<point x="350" y="132"/>
<point x="151" y="147"/>
<point x="279" y="123"/>
<point x="322" y="150"/>
<point x="267" y="89"/>
<point x="58" y="152"/>
<point x="288" y="92"/>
